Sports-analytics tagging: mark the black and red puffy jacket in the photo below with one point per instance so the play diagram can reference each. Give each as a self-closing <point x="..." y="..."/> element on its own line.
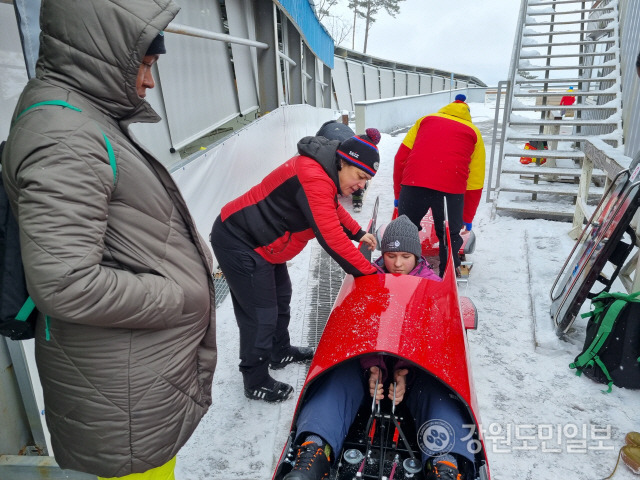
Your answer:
<point x="294" y="203"/>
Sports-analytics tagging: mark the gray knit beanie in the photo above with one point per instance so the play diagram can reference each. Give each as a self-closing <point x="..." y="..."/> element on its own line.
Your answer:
<point x="401" y="235"/>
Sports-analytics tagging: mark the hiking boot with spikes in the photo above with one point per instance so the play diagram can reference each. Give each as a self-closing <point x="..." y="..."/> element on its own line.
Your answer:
<point x="311" y="463"/>
<point x="443" y="470"/>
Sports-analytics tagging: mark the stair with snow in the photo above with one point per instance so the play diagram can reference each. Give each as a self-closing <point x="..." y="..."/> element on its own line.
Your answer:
<point x="564" y="88"/>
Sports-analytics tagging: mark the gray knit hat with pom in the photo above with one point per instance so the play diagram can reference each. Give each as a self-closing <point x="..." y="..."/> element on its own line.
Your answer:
<point x="401" y="235"/>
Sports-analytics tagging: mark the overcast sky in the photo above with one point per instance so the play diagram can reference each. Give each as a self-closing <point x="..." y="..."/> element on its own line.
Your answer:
<point x="472" y="37"/>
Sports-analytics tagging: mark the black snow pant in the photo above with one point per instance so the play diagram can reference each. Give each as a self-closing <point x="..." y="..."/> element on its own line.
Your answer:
<point x="415" y="202"/>
<point x="261" y="294"/>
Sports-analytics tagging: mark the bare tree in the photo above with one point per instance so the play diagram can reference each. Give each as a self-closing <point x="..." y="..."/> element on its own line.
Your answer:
<point x="323" y="7"/>
<point x="337" y="27"/>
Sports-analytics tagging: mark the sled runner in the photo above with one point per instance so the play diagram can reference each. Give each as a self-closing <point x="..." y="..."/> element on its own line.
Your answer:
<point x="606" y="239"/>
<point x="400" y="317"/>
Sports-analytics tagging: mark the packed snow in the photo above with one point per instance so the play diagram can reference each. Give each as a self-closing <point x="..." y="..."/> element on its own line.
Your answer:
<point x="539" y="419"/>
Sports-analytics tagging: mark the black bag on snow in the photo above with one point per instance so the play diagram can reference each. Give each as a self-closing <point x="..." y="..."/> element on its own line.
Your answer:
<point x="17" y="311"/>
<point x="612" y="346"/>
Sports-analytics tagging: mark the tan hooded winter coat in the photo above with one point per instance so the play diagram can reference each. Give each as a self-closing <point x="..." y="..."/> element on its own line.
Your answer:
<point x="117" y="266"/>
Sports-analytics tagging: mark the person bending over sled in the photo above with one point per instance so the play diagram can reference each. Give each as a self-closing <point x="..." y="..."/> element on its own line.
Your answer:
<point x="334" y="399"/>
<point x="257" y="233"/>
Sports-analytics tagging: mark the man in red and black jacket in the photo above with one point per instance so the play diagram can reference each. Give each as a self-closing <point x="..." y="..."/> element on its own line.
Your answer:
<point x="258" y="232"/>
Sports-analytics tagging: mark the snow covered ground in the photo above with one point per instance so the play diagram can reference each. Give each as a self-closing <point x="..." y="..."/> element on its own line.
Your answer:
<point x="540" y="421"/>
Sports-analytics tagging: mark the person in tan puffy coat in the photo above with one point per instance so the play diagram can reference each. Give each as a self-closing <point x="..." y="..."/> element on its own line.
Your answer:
<point x="127" y="350"/>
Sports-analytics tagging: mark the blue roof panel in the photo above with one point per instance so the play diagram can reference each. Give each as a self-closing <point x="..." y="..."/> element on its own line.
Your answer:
<point x="315" y="35"/>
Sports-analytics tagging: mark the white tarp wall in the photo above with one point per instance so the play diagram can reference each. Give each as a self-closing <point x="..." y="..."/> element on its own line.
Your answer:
<point x="243" y="159"/>
<point x="393" y="113"/>
<point x="371" y="83"/>
<point x="341" y="84"/>
<point x="413" y="84"/>
<point x="386" y="83"/>
<point x="400" y="84"/>
<point x="356" y="81"/>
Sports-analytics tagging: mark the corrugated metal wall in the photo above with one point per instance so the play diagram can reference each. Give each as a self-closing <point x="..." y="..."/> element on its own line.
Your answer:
<point x="605" y="71"/>
<point x="630" y="48"/>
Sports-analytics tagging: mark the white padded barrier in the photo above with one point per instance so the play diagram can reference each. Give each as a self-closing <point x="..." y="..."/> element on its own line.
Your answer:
<point x="390" y="114"/>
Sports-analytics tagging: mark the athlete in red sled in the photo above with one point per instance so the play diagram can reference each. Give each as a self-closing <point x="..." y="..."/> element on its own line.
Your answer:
<point x="410" y="323"/>
<point x="431" y="244"/>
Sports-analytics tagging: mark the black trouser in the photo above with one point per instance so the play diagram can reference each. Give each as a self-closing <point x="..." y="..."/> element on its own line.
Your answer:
<point x="261" y="294"/>
<point x="415" y="202"/>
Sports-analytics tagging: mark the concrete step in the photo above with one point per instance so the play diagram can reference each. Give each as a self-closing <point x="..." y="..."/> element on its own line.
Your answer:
<point x="523" y="137"/>
<point x="569" y="32"/>
<point x="549" y="188"/>
<point x="533" y="169"/>
<point x="564" y="67"/>
<point x="566" y="22"/>
<point x="566" y="81"/>
<point x="577" y="154"/>
<point x="564" y="55"/>
<point x="555" y="2"/>
<point x="566" y="121"/>
<point x="573" y="93"/>
<point x="535" y="209"/>
<point x="576" y="42"/>
<point x="569" y="12"/>
<point x="549" y="108"/>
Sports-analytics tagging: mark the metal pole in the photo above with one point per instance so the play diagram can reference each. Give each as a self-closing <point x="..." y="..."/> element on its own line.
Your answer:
<point x="287" y="59"/>
<point x="495" y="136"/>
<point x="505" y="122"/>
<point x="450" y="86"/>
<point x="199" y="32"/>
<point x="23" y="376"/>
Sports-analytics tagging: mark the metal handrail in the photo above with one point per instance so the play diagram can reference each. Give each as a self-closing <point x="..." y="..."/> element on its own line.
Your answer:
<point x="287" y="59"/>
<point x="223" y="37"/>
<point x="490" y="189"/>
<point x="510" y="83"/>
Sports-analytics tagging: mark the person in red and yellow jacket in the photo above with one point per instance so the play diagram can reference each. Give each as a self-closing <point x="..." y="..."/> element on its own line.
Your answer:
<point x="257" y="233"/>
<point x="441" y="157"/>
